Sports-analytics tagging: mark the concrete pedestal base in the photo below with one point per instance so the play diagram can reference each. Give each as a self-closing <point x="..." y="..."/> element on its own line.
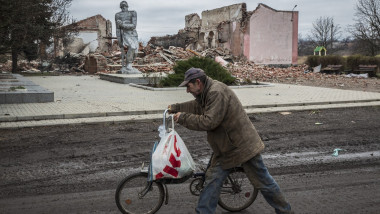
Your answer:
<point x="142" y="79"/>
<point x="129" y="70"/>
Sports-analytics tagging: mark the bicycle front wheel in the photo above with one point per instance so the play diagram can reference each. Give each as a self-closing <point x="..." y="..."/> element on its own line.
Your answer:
<point x="134" y="196"/>
<point x="237" y="192"/>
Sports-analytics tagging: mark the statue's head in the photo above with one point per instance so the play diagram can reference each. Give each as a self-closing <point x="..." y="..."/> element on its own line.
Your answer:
<point x="123" y="4"/>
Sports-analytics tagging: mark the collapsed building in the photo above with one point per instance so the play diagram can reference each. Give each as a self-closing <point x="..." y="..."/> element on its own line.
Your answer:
<point x="264" y="36"/>
<point x="94" y="35"/>
<point x="93" y="38"/>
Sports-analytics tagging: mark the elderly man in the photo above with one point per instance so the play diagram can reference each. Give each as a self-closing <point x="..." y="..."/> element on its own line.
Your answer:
<point x="232" y="137"/>
<point x="127" y="37"/>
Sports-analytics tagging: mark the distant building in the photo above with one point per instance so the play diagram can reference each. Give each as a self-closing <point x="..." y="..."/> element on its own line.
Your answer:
<point x="264" y="36"/>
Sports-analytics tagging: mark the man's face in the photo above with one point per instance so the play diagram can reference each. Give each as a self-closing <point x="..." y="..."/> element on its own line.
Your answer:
<point x="194" y="88"/>
<point x="124" y="7"/>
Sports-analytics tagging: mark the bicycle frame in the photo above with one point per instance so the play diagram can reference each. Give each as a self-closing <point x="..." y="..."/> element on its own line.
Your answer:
<point x="230" y="187"/>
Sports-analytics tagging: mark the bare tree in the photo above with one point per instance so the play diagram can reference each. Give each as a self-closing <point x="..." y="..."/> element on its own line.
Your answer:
<point x="366" y="30"/>
<point x="325" y="32"/>
<point x="305" y="46"/>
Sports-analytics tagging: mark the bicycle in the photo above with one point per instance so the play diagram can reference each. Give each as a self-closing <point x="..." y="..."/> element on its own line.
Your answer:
<point x="136" y="195"/>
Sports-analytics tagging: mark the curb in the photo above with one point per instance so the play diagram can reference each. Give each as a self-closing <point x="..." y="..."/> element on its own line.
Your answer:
<point x="157" y="116"/>
<point x="184" y="88"/>
<point x="76" y="116"/>
<point x="149" y="112"/>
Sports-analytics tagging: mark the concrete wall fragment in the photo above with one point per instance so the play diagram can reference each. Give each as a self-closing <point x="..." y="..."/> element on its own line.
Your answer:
<point x="95" y="32"/>
<point x="193" y="21"/>
<point x="219" y="26"/>
<point x="95" y="63"/>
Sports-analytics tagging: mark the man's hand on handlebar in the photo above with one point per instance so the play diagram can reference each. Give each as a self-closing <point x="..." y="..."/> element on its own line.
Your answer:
<point x="176" y="116"/>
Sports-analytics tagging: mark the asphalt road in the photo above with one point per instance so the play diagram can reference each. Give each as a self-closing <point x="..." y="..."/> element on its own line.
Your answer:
<point x="75" y="169"/>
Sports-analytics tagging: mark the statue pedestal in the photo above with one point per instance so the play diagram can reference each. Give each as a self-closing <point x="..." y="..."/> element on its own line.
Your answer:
<point x="129" y="70"/>
<point x="142" y="79"/>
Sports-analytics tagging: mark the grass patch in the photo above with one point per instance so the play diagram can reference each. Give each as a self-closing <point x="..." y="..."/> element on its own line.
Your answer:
<point x="15" y="88"/>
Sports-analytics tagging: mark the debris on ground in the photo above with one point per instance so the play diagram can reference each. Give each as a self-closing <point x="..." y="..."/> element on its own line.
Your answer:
<point x="336" y="152"/>
<point x="151" y="59"/>
<point x="221" y="61"/>
<point x="357" y="75"/>
<point x="285" y="113"/>
<point x="248" y="71"/>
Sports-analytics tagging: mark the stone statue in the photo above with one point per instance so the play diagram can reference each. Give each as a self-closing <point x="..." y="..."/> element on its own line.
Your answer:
<point x="127" y="37"/>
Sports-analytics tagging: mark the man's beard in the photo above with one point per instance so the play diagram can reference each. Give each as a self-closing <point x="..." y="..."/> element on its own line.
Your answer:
<point x="198" y="98"/>
<point x="197" y="92"/>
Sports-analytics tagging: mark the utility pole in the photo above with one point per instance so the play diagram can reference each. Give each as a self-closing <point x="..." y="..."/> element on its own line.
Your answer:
<point x="293" y="12"/>
<point x="332" y="27"/>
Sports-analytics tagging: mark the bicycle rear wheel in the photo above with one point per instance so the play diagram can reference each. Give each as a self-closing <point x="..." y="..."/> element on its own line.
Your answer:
<point x="128" y="195"/>
<point x="196" y="186"/>
<point x="237" y="192"/>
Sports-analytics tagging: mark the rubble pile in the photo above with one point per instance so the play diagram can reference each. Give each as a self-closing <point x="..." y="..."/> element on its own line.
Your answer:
<point x="248" y="71"/>
<point x="299" y="75"/>
<point x="6" y="66"/>
<point x="32" y="66"/>
<point x="215" y="52"/>
<point x="152" y="59"/>
<point x="149" y="59"/>
<point x="157" y="59"/>
<point x="114" y="57"/>
<point x="29" y="66"/>
<point x="70" y="63"/>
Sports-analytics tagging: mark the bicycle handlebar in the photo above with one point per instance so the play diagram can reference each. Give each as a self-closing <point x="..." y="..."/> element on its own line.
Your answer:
<point x="164" y="120"/>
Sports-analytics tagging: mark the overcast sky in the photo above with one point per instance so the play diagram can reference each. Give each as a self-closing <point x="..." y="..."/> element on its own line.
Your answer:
<point x="166" y="17"/>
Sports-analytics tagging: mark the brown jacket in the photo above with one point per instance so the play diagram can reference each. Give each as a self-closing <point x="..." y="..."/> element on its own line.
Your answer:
<point x="230" y="133"/>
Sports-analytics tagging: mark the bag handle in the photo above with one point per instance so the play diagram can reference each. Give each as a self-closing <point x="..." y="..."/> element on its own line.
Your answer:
<point x="172" y="122"/>
<point x="164" y="120"/>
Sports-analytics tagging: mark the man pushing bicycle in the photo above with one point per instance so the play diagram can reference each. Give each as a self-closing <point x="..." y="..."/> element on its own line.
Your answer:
<point x="232" y="137"/>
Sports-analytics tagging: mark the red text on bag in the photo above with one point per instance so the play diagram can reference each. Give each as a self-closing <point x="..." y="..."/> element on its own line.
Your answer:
<point x="173" y="161"/>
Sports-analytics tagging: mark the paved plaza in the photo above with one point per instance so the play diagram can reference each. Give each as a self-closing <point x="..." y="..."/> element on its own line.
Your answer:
<point x="88" y="99"/>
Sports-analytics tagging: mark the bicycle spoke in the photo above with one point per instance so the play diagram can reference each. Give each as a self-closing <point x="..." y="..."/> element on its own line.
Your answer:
<point x="237" y="192"/>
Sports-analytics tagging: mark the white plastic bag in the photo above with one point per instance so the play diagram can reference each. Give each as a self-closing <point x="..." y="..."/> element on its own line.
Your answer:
<point x="171" y="159"/>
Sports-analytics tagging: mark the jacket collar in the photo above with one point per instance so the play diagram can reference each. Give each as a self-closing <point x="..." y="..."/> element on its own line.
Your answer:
<point x="201" y="99"/>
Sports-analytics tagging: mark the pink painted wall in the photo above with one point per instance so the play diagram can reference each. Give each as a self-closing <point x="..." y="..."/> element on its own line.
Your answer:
<point x="247" y="43"/>
<point x="295" y="39"/>
<point x="236" y="39"/>
<point x="273" y="36"/>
